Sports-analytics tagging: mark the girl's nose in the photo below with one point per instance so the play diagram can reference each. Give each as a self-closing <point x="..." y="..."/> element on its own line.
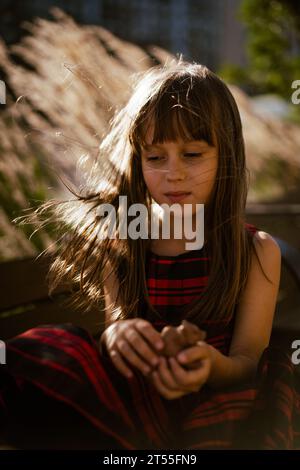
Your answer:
<point x="176" y="172"/>
<point x="176" y="169"/>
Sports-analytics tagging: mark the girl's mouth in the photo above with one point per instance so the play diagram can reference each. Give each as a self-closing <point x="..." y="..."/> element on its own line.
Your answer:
<point x="176" y="196"/>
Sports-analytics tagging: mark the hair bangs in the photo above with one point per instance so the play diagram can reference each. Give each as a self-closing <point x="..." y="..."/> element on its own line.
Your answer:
<point x="174" y="115"/>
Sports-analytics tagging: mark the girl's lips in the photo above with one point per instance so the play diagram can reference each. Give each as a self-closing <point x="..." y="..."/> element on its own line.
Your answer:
<point x="176" y="197"/>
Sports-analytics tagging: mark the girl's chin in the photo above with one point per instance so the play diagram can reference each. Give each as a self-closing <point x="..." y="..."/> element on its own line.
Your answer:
<point x="187" y="201"/>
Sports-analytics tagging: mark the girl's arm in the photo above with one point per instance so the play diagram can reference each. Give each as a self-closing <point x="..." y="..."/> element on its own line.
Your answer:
<point x="254" y="318"/>
<point x="111" y="287"/>
<point x="130" y="343"/>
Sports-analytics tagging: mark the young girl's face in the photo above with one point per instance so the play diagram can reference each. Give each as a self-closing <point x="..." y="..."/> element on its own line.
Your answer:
<point x="179" y="171"/>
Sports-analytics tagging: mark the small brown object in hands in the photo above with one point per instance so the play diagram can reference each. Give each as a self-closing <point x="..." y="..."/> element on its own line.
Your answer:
<point x="181" y="337"/>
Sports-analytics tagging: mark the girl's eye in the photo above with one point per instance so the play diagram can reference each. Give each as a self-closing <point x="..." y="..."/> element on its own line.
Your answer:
<point x="192" y="155"/>
<point x="160" y="158"/>
<point x="154" y="158"/>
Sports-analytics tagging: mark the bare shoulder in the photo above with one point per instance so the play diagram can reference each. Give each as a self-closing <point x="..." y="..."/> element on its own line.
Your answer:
<point x="268" y="252"/>
<point x="256" y="307"/>
<point x="266" y="239"/>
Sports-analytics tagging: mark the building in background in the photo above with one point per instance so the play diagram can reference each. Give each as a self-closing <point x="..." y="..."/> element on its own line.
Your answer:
<point x="207" y="31"/>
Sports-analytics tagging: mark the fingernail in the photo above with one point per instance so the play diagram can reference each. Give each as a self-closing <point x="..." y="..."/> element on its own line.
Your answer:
<point x="181" y="357"/>
<point x="159" y="345"/>
<point x="154" y="361"/>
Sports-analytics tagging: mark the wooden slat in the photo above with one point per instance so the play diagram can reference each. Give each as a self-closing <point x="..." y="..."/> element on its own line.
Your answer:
<point x="273" y="209"/>
<point x="48" y="312"/>
<point x="23" y="281"/>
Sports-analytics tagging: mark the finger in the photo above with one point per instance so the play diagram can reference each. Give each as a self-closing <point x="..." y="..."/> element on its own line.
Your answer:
<point x="125" y="349"/>
<point x="150" y="334"/>
<point x="163" y="390"/>
<point x="182" y="381"/>
<point x="120" y="364"/>
<point x="166" y="376"/>
<point x="189" y="380"/>
<point x="201" y="333"/>
<point x="138" y="343"/>
<point x="194" y="353"/>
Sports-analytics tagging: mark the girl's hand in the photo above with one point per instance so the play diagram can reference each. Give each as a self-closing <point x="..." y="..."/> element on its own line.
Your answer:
<point x="134" y="342"/>
<point x="172" y="380"/>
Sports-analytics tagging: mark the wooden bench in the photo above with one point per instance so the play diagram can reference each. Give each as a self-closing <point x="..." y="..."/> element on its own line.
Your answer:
<point x="24" y="300"/>
<point x="25" y="303"/>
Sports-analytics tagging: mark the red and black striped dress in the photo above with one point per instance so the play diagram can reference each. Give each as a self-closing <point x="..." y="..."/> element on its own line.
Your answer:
<point x="58" y="391"/>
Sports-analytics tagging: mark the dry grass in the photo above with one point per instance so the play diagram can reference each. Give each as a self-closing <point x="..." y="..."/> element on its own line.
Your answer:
<point x="69" y="79"/>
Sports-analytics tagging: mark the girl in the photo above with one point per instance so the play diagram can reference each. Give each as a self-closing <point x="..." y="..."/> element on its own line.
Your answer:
<point x="178" y="140"/>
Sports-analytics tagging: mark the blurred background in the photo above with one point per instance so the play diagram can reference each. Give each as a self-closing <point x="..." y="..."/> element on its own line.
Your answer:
<point x="67" y="65"/>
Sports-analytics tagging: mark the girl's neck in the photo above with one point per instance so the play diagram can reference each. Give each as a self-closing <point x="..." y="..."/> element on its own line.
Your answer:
<point x="170" y="246"/>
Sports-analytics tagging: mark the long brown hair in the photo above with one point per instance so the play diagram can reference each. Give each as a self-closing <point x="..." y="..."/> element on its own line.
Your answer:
<point x="181" y="99"/>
